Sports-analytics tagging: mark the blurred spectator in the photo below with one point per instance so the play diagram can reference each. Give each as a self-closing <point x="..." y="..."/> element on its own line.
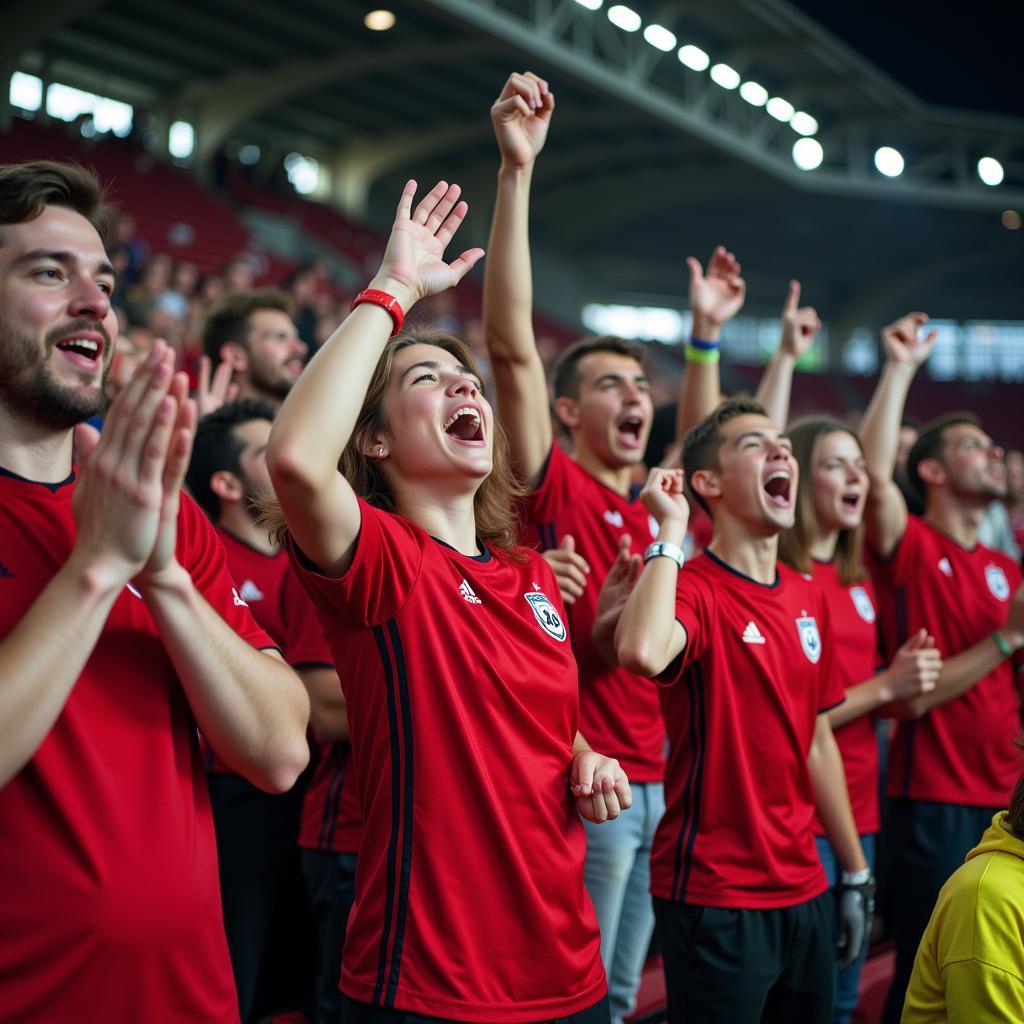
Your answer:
<point x="133" y="345"/>
<point x="909" y="429"/>
<point x="124" y="244"/>
<point x="1015" y="494"/>
<point x="239" y="275"/>
<point x="155" y="280"/>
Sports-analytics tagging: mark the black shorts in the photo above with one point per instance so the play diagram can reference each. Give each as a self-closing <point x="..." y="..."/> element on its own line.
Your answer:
<point x="730" y="966"/>
<point x="363" y="1013"/>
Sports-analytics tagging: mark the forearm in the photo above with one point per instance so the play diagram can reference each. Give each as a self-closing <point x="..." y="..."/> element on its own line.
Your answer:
<point x="861" y="699"/>
<point x="775" y="386"/>
<point x="961" y="672"/>
<point x="699" y="396"/>
<point x="43" y="656"/>
<point x="328" y="712"/>
<point x="880" y="428"/>
<point x="249" y="705"/>
<point x="647" y="638"/>
<point x="832" y="799"/>
<point x="603" y="636"/>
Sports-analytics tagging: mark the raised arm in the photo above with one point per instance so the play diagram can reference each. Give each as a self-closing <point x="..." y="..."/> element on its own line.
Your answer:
<point x="649" y="637"/>
<point x="317" y="418"/>
<point x="799" y="326"/>
<point x="520" y="116"/>
<point x="715" y="298"/>
<point x="905" y="353"/>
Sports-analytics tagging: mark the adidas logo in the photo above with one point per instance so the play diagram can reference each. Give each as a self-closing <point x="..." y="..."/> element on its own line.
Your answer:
<point x="250" y="592"/>
<point x="467" y="593"/>
<point x="752" y="635"/>
<point x="5" y="573"/>
<point x="944" y="567"/>
<point x="614" y="516"/>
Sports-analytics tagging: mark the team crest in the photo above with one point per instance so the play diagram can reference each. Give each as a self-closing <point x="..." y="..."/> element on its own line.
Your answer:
<point x="810" y="638"/>
<point x="544" y="612"/>
<point x="997" y="582"/>
<point x="862" y="602"/>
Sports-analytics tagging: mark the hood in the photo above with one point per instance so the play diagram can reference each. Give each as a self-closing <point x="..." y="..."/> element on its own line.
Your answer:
<point x="998" y="839"/>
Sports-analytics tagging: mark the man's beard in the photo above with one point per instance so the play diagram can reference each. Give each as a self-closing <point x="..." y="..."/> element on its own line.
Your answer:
<point x="275" y="386"/>
<point x="29" y="388"/>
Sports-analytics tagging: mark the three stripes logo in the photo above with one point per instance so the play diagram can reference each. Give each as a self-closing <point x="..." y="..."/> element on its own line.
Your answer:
<point x="467" y="592"/>
<point x="752" y="635"/>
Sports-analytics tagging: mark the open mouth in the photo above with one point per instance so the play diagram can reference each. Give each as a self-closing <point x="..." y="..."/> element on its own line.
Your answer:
<point x="777" y="487"/>
<point x="629" y="430"/>
<point x="465" y="425"/>
<point x="83" y="351"/>
<point x="851" y="502"/>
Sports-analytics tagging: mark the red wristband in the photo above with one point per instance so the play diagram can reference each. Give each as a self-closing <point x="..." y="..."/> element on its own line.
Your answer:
<point x="385" y="301"/>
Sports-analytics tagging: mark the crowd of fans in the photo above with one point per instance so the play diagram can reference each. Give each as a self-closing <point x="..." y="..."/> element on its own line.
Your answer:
<point x="561" y="694"/>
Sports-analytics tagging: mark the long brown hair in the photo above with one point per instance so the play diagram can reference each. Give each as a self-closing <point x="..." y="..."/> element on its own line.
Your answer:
<point x="795" y="544"/>
<point x="496" y="500"/>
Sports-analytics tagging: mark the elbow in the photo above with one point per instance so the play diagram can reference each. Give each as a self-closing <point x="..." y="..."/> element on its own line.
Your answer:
<point x="282" y="772"/>
<point x="290" y="470"/>
<point x="640" y="658"/>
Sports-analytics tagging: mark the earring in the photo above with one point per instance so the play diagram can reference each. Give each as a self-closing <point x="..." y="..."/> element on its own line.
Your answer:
<point x="380" y="451"/>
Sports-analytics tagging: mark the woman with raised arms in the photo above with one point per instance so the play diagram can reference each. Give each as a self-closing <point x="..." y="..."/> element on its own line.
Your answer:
<point x="459" y="679"/>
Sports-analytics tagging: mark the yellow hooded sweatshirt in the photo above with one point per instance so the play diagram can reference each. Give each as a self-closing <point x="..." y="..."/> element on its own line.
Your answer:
<point x="970" y="964"/>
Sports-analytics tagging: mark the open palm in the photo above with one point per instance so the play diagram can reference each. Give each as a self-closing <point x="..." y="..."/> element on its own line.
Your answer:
<point x="717" y="296"/>
<point x="414" y="257"/>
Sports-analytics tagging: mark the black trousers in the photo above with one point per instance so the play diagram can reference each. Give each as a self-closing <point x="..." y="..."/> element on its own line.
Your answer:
<point x="363" y="1013"/>
<point x="926" y="842"/>
<point x="266" y="913"/>
<point x="331" y="886"/>
<point x="729" y="966"/>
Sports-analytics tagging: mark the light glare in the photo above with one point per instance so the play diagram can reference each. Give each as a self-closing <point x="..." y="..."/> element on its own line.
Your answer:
<point x="624" y="17"/>
<point x="591" y="5"/>
<point x="303" y="172"/>
<point x="725" y="76"/>
<point x="990" y="170"/>
<point x="181" y="140"/>
<point x="803" y="124"/>
<point x="26" y="91"/>
<point x="808" y="154"/>
<point x="379" y="20"/>
<point x="780" y="109"/>
<point x="660" y="38"/>
<point x="754" y="93"/>
<point x="889" y="161"/>
<point x="694" y="57"/>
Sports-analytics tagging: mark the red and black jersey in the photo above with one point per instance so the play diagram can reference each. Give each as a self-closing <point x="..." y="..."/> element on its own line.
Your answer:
<point x="741" y="707"/>
<point x="853" y="638"/>
<point x="108" y="865"/>
<point x="619" y="712"/>
<point x="963" y="751"/>
<point x="462" y="705"/>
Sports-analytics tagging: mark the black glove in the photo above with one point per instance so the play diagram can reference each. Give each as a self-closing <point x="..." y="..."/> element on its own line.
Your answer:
<point x="856" y="905"/>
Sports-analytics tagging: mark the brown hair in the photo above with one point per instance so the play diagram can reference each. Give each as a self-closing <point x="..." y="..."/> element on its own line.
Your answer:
<point x="701" y="444"/>
<point x="566" y="371"/>
<point x="229" y="319"/>
<point x="929" y="445"/>
<point x="27" y="189"/>
<point x="496" y="499"/>
<point x="795" y="544"/>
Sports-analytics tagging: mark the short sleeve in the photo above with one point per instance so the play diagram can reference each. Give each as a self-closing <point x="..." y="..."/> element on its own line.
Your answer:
<point x="305" y="644"/>
<point x="899" y="566"/>
<point x="201" y="552"/>
<point x="694" y="610"/>
<point x="831" y="691"/>
<point x="547" y="503"/>
<point x="384" y="570"/>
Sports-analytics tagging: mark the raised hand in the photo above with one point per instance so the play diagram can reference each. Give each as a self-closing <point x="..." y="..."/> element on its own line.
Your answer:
<point x="799" y="323"/>
<point x="600" y="786"/>
<point x="570" y="569"/>
<point x="615" y="591"/>
<point x="521" y="115"/>
<point x="717" y="296"/>
<point x="915" y="669"/>
<point x="903" y="342"/>
<point x="214" y="389"/>
<point x="663" y="496"/>
<point x="119" y="496"/>
<point x="413" y="265"/>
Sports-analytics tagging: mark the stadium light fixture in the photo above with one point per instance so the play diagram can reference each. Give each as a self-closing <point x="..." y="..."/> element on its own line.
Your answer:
<point x="181" y="140"/>
<point x="782" y="110"/>
<point x="808" y="154"/>
<point x="26" y="91"/>
<point x="303" y="172"/>
<point x="754" y="93"/>
<point x="889" y="161"/>
<point x="591" y="5"/>
<point x="379" y="20"/>
<point x="249" y="154"/>
<point x="660" y="38"/>
<point x="725" y="76"/>
<point x="624" y="17"/>
<point x="694" y="57"/>
<point x="803" y="124"/>
<point x="990" y="170"/>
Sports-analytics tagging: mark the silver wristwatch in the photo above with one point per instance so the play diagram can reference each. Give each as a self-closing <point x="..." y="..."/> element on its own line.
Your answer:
<point x="665" y="549"/>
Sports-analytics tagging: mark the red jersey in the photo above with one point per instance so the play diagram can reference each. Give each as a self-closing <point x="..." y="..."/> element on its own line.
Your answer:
<point x="108" y="866"/>
<point x="462" y="704"/>
<point x="963" y="751"/>
<point x="853" y="637"/>
<point x="619" y="712"/>
<point x="741" y="708"/>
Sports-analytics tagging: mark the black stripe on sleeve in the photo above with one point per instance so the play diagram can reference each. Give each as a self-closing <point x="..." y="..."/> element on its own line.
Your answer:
<point x="333" y="798"/>
<point x="909" y="729"/>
